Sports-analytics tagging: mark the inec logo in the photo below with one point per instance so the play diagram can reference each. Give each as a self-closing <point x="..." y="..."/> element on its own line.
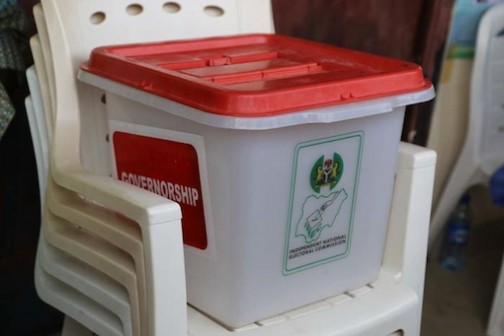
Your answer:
<point x="326" y="172"/>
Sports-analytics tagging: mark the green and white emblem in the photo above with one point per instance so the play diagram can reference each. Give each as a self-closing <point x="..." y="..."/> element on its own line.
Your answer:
<point x="323" y="192"/>
<point x="326" y="172"/>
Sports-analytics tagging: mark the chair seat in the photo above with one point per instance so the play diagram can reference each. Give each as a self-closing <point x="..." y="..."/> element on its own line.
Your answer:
<point x="356" y="312"/>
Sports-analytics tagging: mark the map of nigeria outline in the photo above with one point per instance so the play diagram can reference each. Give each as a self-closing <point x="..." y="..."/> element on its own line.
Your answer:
<point x="322" y="212"/>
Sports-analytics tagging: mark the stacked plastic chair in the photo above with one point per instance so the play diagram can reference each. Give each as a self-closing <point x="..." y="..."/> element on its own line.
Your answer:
<point x="110" y="255"/>
<point x="483" y="150"/>
<point x="81" y="219"/>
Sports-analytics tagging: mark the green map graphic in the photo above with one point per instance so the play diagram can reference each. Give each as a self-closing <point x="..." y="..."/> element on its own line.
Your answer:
<point x="319" y="212"/>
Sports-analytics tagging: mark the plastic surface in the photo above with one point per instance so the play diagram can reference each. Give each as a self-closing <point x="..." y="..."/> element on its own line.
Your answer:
<point x="161" y="235"/>
<point x="82" y="34"/>
<point x="156" y="149"/>
<point x="335" y="113"/>
<point x="393" y="303"/>
<point x="44" y="65"/>
<point x="57" y="294"/>
<point x="101" y="257"/>
<point x="482" y="153"/>
<point x="105" y="258"/>
<point x="43" y="86"/>
<point x="73" y="328"/>
<point x="255" y="75"/>
<point x="72" y="35"/>
<point x="84" y="279"/>
<point x="226" y="158"/>
<point x="118" y="252"/>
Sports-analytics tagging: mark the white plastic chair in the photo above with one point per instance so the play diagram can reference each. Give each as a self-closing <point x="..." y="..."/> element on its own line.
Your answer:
<point x="109" y="226"/>
<point x="68" y="49"/>
<point x="61" y="269"/>
<point x="392" y="303"/>
<point x="483" y="150"/>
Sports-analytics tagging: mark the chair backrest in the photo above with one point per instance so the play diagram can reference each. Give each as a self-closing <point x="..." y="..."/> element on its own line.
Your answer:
<point x="76" y="27"/>
<point x="487" y="105"/>
<point x="486" y="117"/>
<point x="43" y="82"/>
<point x="43" y="62"/>
<point x="38" y="128"/>
<point x="91" y="23"/>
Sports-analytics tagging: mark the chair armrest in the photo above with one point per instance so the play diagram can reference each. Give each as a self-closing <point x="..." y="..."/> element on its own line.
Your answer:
<point x="160" y="222"/>
<point x="406" y="247"/>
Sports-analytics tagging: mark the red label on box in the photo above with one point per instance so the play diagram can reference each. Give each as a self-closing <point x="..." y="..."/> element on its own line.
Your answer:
<point x="169" y="169"/>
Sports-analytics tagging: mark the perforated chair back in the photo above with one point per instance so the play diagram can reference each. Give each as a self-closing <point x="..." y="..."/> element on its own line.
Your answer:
<point x="76" y="27"/>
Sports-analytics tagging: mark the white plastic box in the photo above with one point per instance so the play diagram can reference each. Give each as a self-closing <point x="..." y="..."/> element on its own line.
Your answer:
<point x="280" y="151"/>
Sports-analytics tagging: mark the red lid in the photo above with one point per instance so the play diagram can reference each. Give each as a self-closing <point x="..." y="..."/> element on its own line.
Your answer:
<point x="255" y="75"/>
